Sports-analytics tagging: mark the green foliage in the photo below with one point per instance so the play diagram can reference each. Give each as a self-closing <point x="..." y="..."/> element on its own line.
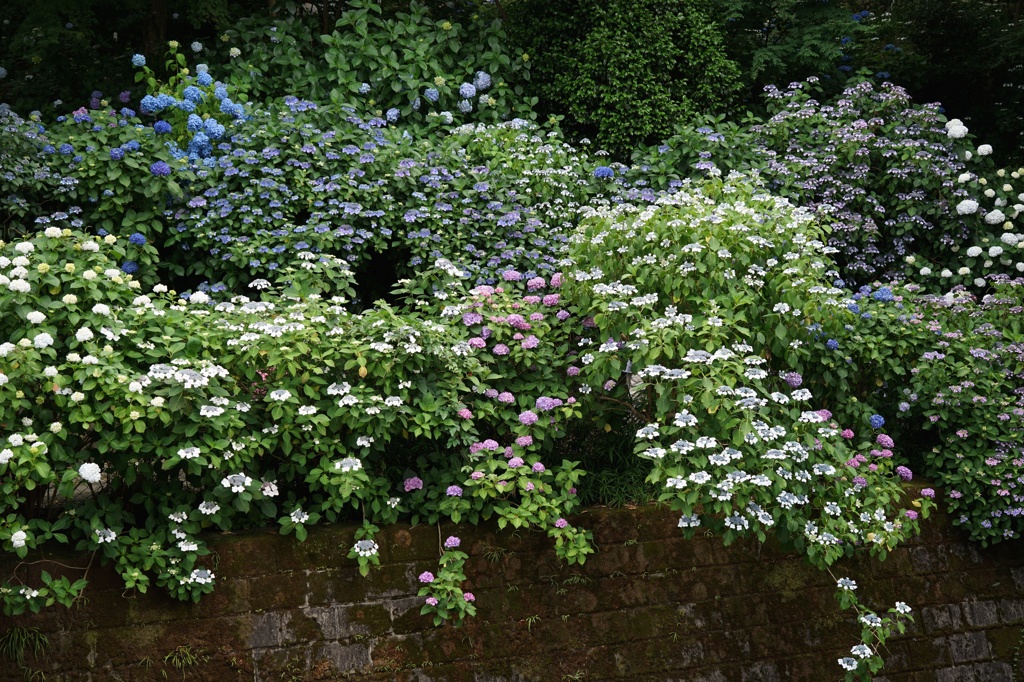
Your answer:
<point x="18" y="642"/>
<point x="867" y="660"/>
<point x="966" y="53"/>
<point x="789" y="40"/>
<point x="625" y="71"/>
<point x="376" y="63"/>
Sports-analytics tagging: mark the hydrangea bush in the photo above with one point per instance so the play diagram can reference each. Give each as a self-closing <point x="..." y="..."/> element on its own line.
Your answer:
<point x="182" y="350"/>
<point x="700" y="342"/>
<point x="949" y="365"/>
<point x="881" y="170"/>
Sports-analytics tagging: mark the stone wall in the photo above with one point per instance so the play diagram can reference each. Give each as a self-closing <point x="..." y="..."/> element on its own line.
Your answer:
<point x="647" y="606"/>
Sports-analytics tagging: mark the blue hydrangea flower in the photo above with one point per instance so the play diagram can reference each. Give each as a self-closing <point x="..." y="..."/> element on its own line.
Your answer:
<point x="129" y="267"/>
<point x="603" y="172"/>
<point x="49" y="149"/>
<point x="364" y="88"/>
<point x="416" y="104"/>
<point x="186" y="105"/>
<point x="884" y="294"/>
<point x="467" y="90"/>
<point x="465" y="106"/>
<point x="117" y="153"/>
<point x="204" y="79"/>
<point x="160" y="168"/>
<point x="482" y="80"/>
<point x="138" y="60"/>
<point x="214" y="129"/>
<point x="137" y="238"/>
<point x="431" y="94"/>
<point x="162" y="127"/>
<point x="195" y="123"/>
<point x="877" y="421"/>
<point x="66" y="149"/>
<point x="163" y="100"/>
<point x="832" y="344"/>
<point x="193" y="94"/>
<point x="392" y="115"/>
<point x="148" y="105"/>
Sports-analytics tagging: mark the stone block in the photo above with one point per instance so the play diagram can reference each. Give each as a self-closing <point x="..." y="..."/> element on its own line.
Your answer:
<point x="946" y="618"/>
<point x="980" y="614"/>
<point x="968" y="646"/>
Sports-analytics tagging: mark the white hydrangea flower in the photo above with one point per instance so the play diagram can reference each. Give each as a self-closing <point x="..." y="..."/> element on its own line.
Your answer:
<point x="995" y="251"/>
<point x="967" y="206"/>
<point x="995" y="217"/>
<point x="984" y="150"/>
<point x="84" y="334"/>
<point x="957" y="132"/>
<point x="36" y="317"/>
<point x="237" y="482"/>
<point x="43" y="340"/>
<point x="18" y="538"/>
<point x="89" y="472"/>
<point x="974" y="252"/>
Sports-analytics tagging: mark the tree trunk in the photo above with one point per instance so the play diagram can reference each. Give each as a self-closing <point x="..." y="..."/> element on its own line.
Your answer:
<point x="156" y="29"/>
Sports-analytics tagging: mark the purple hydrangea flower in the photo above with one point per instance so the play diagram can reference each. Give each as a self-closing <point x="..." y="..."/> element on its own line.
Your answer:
<point x="452" y="542"/>
<point x="414" y="483"/>
<point x="453" y="491"/>
<point x="527" y="418"/>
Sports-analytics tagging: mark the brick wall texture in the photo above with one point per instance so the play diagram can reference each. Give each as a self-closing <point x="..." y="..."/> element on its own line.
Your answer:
<point x="647" y="606"/>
